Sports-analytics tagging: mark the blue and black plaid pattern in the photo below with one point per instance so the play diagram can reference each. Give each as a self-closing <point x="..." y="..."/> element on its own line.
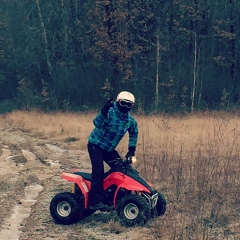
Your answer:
<point x="109" y="130"/>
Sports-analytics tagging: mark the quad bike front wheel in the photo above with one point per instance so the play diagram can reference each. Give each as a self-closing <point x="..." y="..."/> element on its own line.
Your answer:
<point x="160" y="207"/>
<point x="66" y="208"/>
<point x="133" y="210"/>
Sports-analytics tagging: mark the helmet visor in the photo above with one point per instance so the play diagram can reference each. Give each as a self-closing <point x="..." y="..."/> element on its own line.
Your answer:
<point x="125" y="103"/>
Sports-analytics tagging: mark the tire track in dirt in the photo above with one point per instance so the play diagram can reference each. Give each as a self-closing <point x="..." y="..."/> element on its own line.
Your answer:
<point x="16" y="212"/>
<point x="22" y="172"/>
<point x="11" y="184"/>
<point x="7" y="165"/>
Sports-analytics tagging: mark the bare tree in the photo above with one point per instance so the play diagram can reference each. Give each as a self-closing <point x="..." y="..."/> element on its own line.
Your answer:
<point x="47" y="52"/>
<point x="194" y="72"/>
<point x="157" y="74"/>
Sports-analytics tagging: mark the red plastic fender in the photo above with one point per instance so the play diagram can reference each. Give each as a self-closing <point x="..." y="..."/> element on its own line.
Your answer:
<point x="79" y="181"/>
<point x="129" y="187"/>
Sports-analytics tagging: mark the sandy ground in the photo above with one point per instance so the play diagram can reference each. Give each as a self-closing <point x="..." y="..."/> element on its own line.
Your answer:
<point x="30" y="170"/>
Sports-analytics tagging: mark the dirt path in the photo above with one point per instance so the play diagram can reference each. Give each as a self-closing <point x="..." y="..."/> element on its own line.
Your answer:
<point x="29" y="171"/>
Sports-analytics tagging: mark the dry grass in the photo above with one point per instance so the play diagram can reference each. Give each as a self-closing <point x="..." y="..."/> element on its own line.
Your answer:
<point x="193" y="160"/>
<point x="65" y="127"/>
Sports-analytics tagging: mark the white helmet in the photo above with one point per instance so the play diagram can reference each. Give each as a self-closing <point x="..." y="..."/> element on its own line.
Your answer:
<point x="126" y="96"/>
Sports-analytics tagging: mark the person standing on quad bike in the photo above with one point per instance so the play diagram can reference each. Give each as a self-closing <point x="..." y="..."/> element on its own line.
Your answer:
<point x="111" y="124"/>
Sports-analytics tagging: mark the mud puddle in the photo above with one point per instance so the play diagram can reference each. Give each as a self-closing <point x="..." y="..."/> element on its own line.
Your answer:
<point x="21" y="211"/>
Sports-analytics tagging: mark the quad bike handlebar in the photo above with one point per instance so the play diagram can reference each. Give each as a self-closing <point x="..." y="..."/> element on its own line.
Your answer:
<point x="124" y="162"/>
<point x="131" y="160"/>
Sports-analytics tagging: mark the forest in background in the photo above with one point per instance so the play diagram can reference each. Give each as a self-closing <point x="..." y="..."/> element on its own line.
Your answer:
<point x="175" y="55"/>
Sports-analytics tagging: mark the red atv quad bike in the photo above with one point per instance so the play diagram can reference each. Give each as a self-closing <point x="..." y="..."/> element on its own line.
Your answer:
<point x="134" y="199"/>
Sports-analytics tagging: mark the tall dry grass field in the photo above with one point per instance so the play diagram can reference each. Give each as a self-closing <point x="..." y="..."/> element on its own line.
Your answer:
<point x="193" y="160"/>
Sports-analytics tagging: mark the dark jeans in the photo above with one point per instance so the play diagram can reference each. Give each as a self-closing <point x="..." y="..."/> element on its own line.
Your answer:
<point x="97" y="156"/>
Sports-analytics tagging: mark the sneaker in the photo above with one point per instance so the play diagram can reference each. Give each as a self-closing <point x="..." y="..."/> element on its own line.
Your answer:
<point x="100" y="206"/>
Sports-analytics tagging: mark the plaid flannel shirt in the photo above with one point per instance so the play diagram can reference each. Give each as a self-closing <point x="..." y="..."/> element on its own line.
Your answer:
<point x="109" y="130"/>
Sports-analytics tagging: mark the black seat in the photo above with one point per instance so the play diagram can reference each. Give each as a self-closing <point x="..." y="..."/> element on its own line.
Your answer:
<point x="87" y="176"/>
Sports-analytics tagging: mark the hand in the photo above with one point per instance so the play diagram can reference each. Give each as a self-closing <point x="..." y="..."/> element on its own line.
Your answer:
<point x="106" y="107"/>
<point x="131" y="152"/>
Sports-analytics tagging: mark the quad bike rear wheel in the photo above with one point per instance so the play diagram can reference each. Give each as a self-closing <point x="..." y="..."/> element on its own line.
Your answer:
<point x="133" y="210"/>
<point x="66" y="208"/>
<point x="78" y="193"/>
